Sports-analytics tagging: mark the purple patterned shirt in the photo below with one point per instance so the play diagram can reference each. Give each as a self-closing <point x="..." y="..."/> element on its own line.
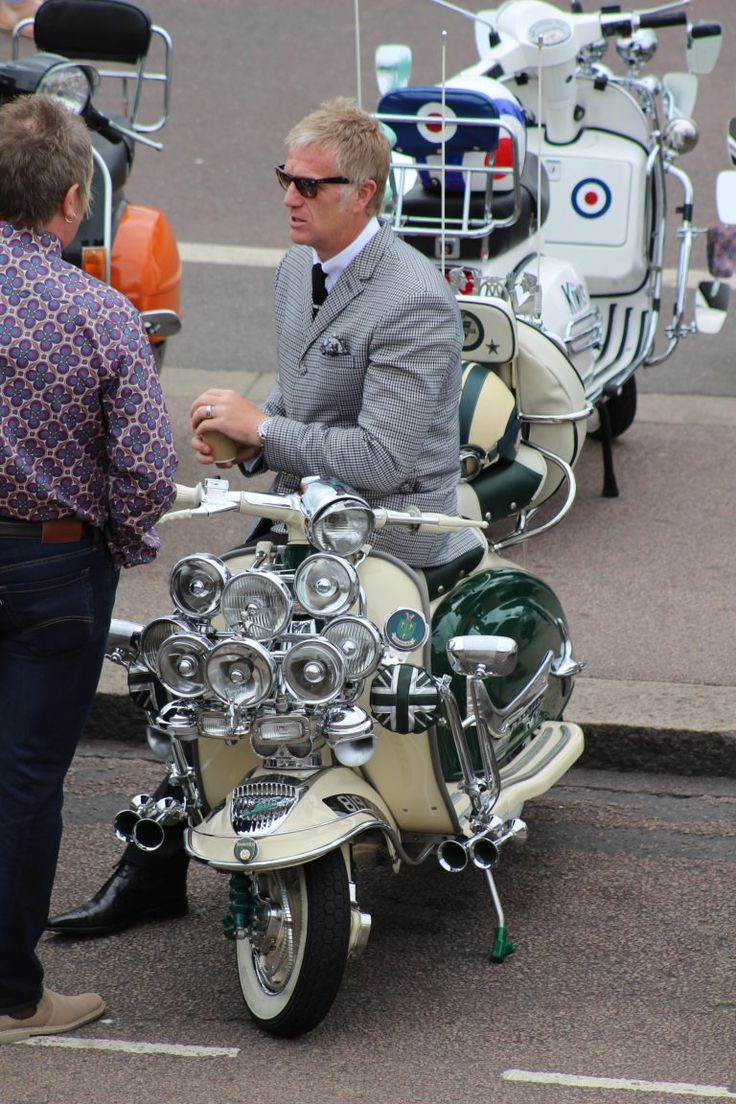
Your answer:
<point x="83" y="425"/>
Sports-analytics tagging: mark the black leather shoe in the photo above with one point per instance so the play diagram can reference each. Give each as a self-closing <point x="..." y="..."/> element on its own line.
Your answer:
<point x="132" y="895"/>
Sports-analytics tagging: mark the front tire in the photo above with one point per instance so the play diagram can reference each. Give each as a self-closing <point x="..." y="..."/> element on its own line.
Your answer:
<point x="291" y="963"/>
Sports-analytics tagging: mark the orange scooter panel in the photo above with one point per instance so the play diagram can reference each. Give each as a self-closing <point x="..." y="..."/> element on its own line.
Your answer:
<point x="145" y="264"/>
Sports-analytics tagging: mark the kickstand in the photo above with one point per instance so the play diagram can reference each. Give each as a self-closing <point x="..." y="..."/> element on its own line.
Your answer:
<point x="610" y="486"/>
<point x="502" y="945"/>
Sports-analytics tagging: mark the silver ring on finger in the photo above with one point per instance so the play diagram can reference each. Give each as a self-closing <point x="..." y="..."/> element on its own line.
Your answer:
<point x="208" y="411"/>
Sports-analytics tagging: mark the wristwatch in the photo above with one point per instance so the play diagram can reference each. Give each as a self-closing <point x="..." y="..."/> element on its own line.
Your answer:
<point x="262" y="430"/>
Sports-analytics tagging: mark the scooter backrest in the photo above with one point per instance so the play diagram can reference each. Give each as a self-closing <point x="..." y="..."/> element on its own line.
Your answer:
<point x="489" y="416"/>
<point x="96" y="30"/>
<point x="469" y="144"/>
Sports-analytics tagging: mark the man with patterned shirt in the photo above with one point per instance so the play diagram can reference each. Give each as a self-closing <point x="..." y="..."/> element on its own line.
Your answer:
<point x="86" y="469"/>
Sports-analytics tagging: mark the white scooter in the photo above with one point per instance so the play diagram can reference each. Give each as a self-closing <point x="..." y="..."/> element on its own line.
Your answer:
<point x="539" y="175"/>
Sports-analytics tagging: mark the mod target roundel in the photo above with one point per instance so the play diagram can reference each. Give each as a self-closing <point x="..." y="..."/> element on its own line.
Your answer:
<point x="430" y="128"/>
<point x="591" y="198"/>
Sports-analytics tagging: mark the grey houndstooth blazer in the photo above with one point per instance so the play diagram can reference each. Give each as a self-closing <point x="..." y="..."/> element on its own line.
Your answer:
<point x="368" y="391"/>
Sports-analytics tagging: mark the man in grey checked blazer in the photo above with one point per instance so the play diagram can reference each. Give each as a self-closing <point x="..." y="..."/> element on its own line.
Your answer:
<point x="368" y="387"/>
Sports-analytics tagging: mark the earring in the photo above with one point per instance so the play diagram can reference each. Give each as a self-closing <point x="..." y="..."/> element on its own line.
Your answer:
<point x="67" y="219"/>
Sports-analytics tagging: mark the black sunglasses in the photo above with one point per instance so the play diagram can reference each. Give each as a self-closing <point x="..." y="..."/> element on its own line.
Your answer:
<point x="306" y="186"/>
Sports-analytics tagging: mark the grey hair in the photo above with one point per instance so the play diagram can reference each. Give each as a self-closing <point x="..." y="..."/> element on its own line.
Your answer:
<point x="357" y="141"/>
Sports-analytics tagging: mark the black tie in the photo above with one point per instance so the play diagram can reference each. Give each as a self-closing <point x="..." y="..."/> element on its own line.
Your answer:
<point x="319" y="288"/>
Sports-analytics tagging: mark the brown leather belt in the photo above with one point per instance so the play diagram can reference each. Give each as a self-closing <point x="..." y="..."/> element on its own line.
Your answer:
<point x="59" y="531"/>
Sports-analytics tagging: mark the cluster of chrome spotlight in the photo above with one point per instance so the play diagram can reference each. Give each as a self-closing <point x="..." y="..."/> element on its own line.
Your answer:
<point x="276" y="655"/>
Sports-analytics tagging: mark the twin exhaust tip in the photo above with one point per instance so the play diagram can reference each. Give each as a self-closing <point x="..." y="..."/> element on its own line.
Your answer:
<point x="482" y="851"/>
<point x="143" y="822"/>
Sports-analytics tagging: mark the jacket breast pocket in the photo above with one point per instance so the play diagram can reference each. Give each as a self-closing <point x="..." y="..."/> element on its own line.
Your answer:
<point x="341" y="363"/>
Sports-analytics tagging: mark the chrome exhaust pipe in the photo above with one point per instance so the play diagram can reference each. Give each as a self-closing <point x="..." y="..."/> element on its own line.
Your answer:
<point x="516" y="832"/>
<point x="484" y="853"/>
<point x="143" y="822"/>
<point x="147" y="835"/>
<point x="452" y="856"/>
<point x="126" y="820"/>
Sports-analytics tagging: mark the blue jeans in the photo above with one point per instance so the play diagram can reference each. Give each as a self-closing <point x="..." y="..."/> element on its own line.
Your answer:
<point x="56" y="601"/>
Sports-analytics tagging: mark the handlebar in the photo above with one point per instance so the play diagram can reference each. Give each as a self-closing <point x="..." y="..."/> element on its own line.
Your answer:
<point x="663" y="19"/>
<point x="213" y="496"/>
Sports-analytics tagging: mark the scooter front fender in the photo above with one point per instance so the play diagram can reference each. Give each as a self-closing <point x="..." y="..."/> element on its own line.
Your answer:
<point x="310" y="817"/>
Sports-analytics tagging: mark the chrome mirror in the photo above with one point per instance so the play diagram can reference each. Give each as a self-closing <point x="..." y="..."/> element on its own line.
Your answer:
<point x="731" y="141"/>
<point x="392" y="66"/>
<point x="703" y="46"/>
<point x="161" y="323"/>
<point x="711" y="305"/>
<point x="726" y="196"/>
<point x="681" y="90"/>
<point x="482" y="655"/>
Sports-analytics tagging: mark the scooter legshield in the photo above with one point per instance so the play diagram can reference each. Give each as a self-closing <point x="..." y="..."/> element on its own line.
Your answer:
<point x="512" y="603"/>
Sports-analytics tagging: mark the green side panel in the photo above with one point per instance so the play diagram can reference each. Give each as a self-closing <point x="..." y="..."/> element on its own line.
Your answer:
<point x="508" y="602"/>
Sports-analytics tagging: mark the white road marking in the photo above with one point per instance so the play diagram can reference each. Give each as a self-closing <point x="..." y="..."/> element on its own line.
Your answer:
<point x="123" y="1046"/>
<point x="247" y="256"/>
<point x="672" y="1088"/>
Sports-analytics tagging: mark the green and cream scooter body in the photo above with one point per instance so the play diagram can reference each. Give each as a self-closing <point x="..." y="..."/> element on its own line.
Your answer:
<point x="294" y="761"/>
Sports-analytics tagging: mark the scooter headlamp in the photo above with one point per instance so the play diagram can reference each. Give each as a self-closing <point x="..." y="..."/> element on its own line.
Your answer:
<point x="180" y="663"/>
<point x="196" y="584"/>
<point x="240" y="672"/>
<point x="313" y="671"/>
<point x="153" y="636"/>
<point x="70" y="85"/>
<point x="359" y="642"/>
<point x="326" y="585"/>
<point x="256" y="603"/>
<point x="336" y="519"/>
<point x="342" y="527"/>
<point x="274" y="734"/>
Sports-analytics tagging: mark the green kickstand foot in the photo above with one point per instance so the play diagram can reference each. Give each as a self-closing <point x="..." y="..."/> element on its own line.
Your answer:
<point x="502" y="947"/>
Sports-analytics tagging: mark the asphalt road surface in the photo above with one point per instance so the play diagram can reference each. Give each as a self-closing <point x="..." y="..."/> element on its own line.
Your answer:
<point x="621" y="903"/>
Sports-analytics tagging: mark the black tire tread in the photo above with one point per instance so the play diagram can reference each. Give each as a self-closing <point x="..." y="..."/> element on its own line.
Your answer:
<point x="325" y="953"/>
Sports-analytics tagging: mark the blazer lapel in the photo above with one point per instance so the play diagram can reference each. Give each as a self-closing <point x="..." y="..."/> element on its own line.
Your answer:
<point x="349" y="285"/>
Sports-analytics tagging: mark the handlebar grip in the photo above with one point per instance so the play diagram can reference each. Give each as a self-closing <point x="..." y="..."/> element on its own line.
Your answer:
<point x="663" y="19"/>
<point x="186" y="497"/>
<point x="99" y="122"/>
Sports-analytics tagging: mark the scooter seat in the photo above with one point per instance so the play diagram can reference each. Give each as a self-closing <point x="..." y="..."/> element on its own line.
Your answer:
<point x="444" y="577"/>
<point x="421" y="205"/>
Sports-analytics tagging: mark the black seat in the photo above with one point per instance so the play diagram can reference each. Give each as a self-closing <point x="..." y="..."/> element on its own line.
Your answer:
<point x="422" y="203"/>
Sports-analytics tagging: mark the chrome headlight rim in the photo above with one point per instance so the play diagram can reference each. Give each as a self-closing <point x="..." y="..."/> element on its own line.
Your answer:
<point x="195" y="648"/>
<point x="326" y="652"/>
<point x="371" y="630"/>
<point x="332" y="562"/>
<point x="148" y="648"/>
<point x="340" y="542"/>
<point x="244" y="650"/>
<point x="69" y="84"/>
<point x="279" y="590"/>
<point x="217" y="575"/>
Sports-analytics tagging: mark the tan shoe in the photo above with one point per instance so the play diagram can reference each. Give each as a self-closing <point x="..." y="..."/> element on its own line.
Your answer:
<point x="55" y="1013"/>
<point x="10" y="14"/>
